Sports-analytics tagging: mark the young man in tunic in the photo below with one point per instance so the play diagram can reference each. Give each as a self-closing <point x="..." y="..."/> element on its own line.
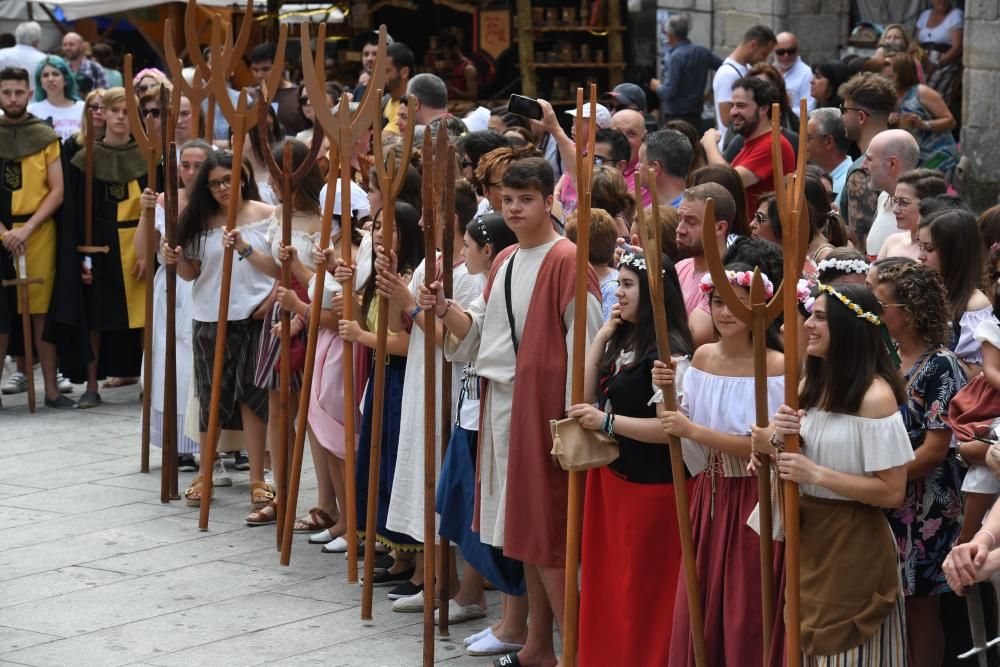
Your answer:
<point x="522" y="327"/>
<point x="31" y="191"/>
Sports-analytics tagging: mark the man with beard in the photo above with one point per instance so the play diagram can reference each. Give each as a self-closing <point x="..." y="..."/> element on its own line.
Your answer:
<point x="31" y="193"/>
<point x="398" y="71"/>
<point x="691" y="246"/>
<point x="751" y="118"/>
<point x="74" y="50"/>
<point x="367" y="43"/>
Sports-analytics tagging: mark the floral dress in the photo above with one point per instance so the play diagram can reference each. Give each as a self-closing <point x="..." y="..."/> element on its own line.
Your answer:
<point x="930" y="518"/>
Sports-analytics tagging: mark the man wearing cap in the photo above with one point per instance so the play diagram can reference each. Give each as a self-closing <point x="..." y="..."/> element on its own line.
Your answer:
<point x="798" y="75"/>
<point x="682" y="92"/>
<point x="565" y="190"/>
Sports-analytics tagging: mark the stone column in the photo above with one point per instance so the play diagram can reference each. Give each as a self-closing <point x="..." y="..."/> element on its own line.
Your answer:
<point x="978" y="177"/>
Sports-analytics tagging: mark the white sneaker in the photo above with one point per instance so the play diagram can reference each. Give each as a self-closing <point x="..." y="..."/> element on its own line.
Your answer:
<point x="64" y="385"/>
<point x="411" y="604"/>
<point x="220" y="476"/>
<point x="17" y="383"/>
<point x="323" y="537"/>
<point x="337" y="546"/>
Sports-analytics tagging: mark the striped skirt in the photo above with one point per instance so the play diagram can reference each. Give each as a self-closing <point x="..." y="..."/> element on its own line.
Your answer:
<point x="266" y="374"/>
<point x="239" y="364"/>
<point x="886" y="648"/>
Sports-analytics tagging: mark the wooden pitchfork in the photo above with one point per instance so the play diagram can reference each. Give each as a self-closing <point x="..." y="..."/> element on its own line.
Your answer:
<point x="151" y="149"/>
<point x="792" y="207"/>
<point x="286" y="179"/>
<point x="343" y="131"/>
<point x="237" y="117"/>
<point x="574" y="504"/>
<point x="652" y="243"/>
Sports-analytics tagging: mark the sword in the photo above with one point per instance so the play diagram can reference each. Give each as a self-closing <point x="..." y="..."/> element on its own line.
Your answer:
<point x="22" y="282"/>
<point x="977" y="622"/>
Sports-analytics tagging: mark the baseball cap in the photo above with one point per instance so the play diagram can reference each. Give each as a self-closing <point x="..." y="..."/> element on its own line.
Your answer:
<point x="359" y="200"/>
<point x="629" y="94"/>
<point x="603" y="115"/>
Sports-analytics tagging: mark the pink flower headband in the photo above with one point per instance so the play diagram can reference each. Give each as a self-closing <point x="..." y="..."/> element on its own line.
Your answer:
<point x="149" y="71"/>
<point x="737" y="279"/>
<point x="803" y="293"/>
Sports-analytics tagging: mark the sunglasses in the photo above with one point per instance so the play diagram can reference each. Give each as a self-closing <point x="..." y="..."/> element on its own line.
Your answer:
<point x="155" y="113"/>
<point x="304" y="101"/>
<point x="844" y="110"/>
<point x="98" y="108"/>
<point x="786" y="52"/>
<point x="141" y="88"/>
<point x="760" y="218"/>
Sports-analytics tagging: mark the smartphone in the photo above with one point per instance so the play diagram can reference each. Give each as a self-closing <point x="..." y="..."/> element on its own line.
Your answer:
<point x="524" y="106"/>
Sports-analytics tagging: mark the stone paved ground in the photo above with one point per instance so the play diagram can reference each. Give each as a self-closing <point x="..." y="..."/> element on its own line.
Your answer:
<point x="94" y="570"/>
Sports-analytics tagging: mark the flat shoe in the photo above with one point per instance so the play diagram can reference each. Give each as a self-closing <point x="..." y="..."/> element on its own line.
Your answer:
<point x="490" y="645"/>
<point x="406" y="589"/>
<point x="337" y="546"/>
<point x="509" y="660"/>
<point x="90" y="399"/>
<point x="60" y="403"/>
<point x="462" y="614"/>
<point x="472" y="639"/>
<point x="411" y="604"/>
<point x="322" y="537"/>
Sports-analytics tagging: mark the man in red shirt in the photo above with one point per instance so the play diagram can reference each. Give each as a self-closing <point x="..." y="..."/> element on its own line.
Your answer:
<point x="751" y="117"/>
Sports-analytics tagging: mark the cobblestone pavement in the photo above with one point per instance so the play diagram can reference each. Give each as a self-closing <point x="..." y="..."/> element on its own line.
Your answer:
<point x="94" y="570"/>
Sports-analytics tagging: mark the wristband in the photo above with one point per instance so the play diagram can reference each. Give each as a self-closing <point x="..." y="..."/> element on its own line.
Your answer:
<point x="779" y="445"/>
<point x="413" y="313"/>
<point x="246" y="252"/>
<point x="993" y="539"/>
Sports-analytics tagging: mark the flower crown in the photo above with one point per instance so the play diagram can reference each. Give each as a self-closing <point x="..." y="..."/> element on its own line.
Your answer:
<point x="737" y="279"/>
<point x="858" y="310"/>
<point x="632" y="261"/>
<point x="843" y="265"/>
<point x="803" y="293"/>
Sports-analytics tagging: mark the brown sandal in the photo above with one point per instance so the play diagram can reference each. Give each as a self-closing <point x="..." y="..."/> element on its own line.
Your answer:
<point x="260" y="495"/>
<point x="263" y="516"/>
<point x="192" y="495"/>
<point x="313" y="522"/>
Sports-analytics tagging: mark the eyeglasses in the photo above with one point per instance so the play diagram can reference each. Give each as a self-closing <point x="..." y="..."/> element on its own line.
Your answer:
<point x="760" y="217"/>
<point x="844" y="110"/>
<point x="465" y="164"/>
<point x="901" y="202"/>
<point x="304" y="101"/>
<point x="786" y="52"/>
<point x="143" y="87"/>
<point x="226" y="182"/>
<point x="155" y="113"/>
<point x="98" y="108"/>
<point x="601" y="160"/>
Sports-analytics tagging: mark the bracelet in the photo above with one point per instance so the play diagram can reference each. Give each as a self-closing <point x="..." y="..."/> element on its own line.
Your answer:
<point x="413" y="313"/>
<point x="993" y="539"/>
<point x="779" y="445"/>
<point x="447" y="306"/>
<point x="246" y="252"/>
<point x="608" y="426"/>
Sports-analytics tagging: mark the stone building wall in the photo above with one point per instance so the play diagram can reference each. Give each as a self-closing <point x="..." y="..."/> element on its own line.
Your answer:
<point x="979" y="169"/>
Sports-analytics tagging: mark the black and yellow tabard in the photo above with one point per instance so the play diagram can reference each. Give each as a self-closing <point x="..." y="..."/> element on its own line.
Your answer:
<point x="27" y="150"/>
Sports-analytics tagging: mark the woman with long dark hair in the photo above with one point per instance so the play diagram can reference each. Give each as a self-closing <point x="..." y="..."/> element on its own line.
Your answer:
<point x="716" y="408"/>
<point x="950" y="242"/>
<point x="630" y="500"/>
<point x="201" y="240"/>
<point x="853" y="462"/>
<point x="915" y="311"/>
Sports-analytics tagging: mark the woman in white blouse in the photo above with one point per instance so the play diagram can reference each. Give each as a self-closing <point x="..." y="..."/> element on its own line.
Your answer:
<point x="854" y="452"/>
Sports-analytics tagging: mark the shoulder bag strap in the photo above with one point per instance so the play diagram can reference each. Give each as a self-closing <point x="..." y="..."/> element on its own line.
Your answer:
<point x="510" y="308"/>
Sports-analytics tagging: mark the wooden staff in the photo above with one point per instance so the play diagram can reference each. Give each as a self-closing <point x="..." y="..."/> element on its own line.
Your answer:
<point x="238" y="124"/>
<point x="791" y="207"/>
<point x="22" y="282"/>
<point x="151" y="148"/>
<point x="446" y="216"/>
<point x="574" y="505"/>
<point x="344" y="130"/>
<point x="430" y="390"/>
<point x="652" y="244"/>
<point x="170" y="434"/>
<point x="287" y="179"/>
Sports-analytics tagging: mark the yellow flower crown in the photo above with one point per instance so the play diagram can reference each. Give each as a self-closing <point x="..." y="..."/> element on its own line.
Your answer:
<point x="858" y="310"/>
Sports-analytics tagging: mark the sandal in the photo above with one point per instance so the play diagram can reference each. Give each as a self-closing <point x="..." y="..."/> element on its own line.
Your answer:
<point x="260" y="495"/>
<point x="263" y="516"/>
<point x="113" y="382"/>
<point x="315" y="521"/>
<point x="192" y="495"/>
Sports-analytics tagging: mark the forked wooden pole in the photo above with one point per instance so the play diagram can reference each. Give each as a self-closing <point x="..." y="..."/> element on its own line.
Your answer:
<point x="791" y="207"/>
<point x="302" y="419"/>
<point x="652" y="244"/>
<point x="430" y="391"/>
<point x="574" y="504"/>
<point x="212" y="438"/>
<point x="446" y="217"/>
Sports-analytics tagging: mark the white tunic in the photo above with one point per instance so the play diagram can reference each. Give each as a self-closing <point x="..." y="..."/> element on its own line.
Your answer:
<point x="406" y="506"/>
<point x="488" y="343"/>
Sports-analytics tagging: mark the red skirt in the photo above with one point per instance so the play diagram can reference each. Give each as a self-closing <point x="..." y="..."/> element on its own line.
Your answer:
<point x="727" y="554"/>
<point x="631" y="555"/>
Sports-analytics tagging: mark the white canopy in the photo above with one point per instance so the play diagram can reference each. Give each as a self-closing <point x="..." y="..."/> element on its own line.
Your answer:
<point x="78" y="9"/>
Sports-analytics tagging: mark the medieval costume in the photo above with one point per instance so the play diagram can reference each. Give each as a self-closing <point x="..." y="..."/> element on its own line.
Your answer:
<point x="517" y="477"/>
